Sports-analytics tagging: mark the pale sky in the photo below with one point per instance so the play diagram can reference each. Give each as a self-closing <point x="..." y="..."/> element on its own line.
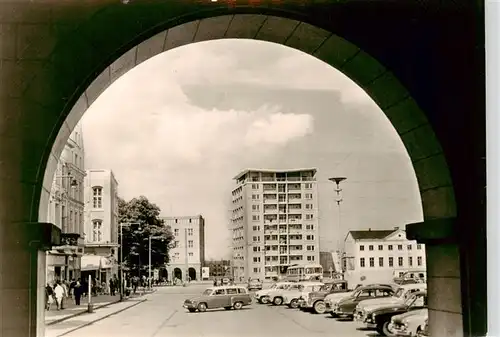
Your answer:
<point x="180" y="126"/>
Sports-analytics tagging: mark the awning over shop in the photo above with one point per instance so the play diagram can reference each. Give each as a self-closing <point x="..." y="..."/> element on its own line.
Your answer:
<point x="91" y="262"/>
<point x="95" y="262"/>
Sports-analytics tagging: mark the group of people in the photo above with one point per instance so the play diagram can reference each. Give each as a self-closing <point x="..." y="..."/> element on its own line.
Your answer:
<point x="59" y="291"/>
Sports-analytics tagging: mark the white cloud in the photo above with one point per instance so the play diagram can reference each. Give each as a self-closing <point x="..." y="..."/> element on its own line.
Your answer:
<point x="278" y="129"/>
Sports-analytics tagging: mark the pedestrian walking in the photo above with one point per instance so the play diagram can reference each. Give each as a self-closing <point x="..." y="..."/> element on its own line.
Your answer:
<point x="49" y="296"/>
<point x="77" y="291"/>
<point x="59" y="294"/>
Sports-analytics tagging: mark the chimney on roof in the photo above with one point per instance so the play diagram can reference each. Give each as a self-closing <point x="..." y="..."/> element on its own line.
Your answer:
<point x="369" y="229"/>
<point x="396" y="228"/>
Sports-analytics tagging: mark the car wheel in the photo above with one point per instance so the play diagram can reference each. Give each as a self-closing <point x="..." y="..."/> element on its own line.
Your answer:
<point x="264" y="300"/>
<point x="202" y="307"/>
<point x="277" y="301"/>
<point x="319" y="307"/>
<point x="334" y="315"/>
<point x="238" y="305"/>
<point x="228" y="308"/>
<point x="386" y="331"/>
<point x="191" y="309"/>
<point x="294" y="304"/>
<point x="419" y="332"/>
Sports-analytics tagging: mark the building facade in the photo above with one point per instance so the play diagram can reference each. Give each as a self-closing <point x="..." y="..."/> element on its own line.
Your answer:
<point x="188" y="253"/>
<point x="66" y="210"/>
<point x="274" y="222"/>
<point x="380" y="255"/>
<point x="220" y="268"/>
<point x="101" y="225"/>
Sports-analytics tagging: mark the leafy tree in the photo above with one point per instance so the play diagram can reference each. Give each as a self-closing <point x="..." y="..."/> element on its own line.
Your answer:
<point x="140" y="219"/>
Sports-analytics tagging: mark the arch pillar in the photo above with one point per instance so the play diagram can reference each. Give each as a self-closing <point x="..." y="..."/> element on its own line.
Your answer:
<point x="449" y="266"/>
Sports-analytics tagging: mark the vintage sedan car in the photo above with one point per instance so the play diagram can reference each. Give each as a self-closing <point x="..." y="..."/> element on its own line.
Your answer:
<point x="333" y="299"/>
<point x="262" y="296"/>
<point x="277" y="296"/>
<point x="408" y="324"/>
<point x="379" y="317"/>
<point x="292" y="296"/>
<point x="315" y="301"/>
<point x="347" y="306"/>
<point x="254" y="284"/>
<point x="226" y="297"/>
<point x="402" y="293"/>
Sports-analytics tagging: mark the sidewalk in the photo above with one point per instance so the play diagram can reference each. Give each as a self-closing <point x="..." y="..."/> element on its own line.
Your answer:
<point x="54" y="316"/>
<point x="69" y="325"/>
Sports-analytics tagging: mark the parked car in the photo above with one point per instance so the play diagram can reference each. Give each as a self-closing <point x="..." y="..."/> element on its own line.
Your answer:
<point x="379" y="316"/>
<point x="262" y="296"/>
<point x="411" y="277"/>
<point x="408" y="324"/>
<point x="402" y="293"/>
<point x="315" y="300"/>
<point x="254" y="284"/>
<point x="347" y="306"/>
<point x="332" y="300"/>
<point x="291" y="297"/>
<point x="226" y="297"/>
<point x="277" y="296"/>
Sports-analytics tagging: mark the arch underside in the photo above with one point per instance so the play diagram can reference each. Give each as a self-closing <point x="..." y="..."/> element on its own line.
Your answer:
<point x="384" y="88"/>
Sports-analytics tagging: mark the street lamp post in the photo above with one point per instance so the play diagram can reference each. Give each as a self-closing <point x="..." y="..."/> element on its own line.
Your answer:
<point x="149" y="256"/>
<point x="122" y="280"/>
<point x="337" y="181"/>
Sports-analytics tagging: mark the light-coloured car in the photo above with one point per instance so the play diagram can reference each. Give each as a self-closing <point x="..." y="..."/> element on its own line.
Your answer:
<point x="409" y="324"/>
<point x="262" y="296"/>
<point x="226" y="297"/>
<point x="254" y="284"/>
<point x="315" y="301"/>
<point x="277" y="295"/>
<point x="291" y="297"/>
<point x="402" y="293"/>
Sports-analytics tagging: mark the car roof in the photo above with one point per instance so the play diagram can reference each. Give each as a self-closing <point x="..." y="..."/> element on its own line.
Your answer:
<point x="225" y="287"/>
<point x="376" y="286"/>
<point x="311" y="283"/>
<point x="413" y="286"/>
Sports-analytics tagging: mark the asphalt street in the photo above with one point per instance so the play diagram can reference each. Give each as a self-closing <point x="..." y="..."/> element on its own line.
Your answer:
<point x="163" y="315"/>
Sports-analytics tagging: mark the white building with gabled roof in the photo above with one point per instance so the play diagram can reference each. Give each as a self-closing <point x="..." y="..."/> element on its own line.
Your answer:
<point x="380" y="255"/>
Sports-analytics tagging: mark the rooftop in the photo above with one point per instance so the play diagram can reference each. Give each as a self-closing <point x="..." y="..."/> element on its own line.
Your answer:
<point x="242" y="173"/>
<point x="372" y="234"/>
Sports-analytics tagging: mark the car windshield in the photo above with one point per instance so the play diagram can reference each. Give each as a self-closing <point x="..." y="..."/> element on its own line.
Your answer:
<point x="207" y="292"/>
<point x="326" y="287"/>
<point x="399" y="293"/>
<point x="414" y="301"/>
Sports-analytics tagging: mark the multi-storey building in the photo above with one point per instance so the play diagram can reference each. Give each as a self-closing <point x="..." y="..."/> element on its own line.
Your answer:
<point x="66" y="209"/>
<point x="221" y="268"/>
<point x="274" y="222"/>
<point x="101" y="225"/>
<point x="188" y="253"/>
<point x="380" y="255"/>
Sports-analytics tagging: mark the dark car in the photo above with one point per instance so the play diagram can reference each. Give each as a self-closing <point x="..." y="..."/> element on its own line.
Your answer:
<point x="379" y="317"/>
<point x="315" y="301"/>
<point x="347" y="306"/>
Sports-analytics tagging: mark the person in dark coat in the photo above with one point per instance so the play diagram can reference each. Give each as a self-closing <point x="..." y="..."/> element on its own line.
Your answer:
<point x="77" y="291"/>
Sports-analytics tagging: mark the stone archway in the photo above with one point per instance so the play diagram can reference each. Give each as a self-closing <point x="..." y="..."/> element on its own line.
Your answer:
<point x="192" y="273"/>
<point x="163" y="273"/>
<point x="177" y="273"/>
<point x="58" y="68"/>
